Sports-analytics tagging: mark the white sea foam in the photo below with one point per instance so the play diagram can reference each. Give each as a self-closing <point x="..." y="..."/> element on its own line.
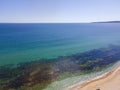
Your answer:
<point x="74" y="81"/>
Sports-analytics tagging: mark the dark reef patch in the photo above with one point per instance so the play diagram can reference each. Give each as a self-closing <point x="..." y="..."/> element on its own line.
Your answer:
<point x="45" y="71"/>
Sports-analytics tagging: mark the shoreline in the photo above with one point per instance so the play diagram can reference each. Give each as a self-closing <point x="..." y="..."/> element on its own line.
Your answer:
<point x="71" y="83"/>
<point x="87" y="84"/>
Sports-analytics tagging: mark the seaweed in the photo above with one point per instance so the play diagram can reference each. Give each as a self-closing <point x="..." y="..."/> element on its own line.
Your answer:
<point x="40" y="73"/>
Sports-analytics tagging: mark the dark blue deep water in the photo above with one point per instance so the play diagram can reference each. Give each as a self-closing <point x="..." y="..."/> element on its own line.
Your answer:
<point x="27" y="42"/>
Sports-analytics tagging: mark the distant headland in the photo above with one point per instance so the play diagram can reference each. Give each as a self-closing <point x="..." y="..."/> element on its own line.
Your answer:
<point x="107" y="22"/>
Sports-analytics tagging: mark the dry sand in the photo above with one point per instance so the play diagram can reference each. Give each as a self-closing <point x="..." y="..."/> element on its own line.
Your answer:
<point x="108" y="81"/>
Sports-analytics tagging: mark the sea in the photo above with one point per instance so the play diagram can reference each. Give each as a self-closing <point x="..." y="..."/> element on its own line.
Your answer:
<point x="25" y="42"/>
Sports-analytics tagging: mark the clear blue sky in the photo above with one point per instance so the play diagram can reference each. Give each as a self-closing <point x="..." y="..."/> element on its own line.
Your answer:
<point x="59" y="10"/>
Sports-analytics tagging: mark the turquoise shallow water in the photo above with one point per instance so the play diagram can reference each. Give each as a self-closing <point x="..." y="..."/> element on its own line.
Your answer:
<point x="27" y="42"/>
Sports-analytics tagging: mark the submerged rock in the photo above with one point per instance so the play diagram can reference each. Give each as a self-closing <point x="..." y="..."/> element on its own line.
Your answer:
<point x="45" y="71"/>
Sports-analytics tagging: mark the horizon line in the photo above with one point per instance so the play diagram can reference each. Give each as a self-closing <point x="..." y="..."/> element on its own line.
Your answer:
<point x="65" y="22"/>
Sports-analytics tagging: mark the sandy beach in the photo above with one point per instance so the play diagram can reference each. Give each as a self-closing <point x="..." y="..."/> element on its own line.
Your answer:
<point x="108" y="81"/>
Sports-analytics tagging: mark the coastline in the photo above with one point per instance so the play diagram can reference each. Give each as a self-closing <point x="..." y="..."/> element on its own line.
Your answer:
<point x="97" y="82"/>
<point x="72" y="83"/>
